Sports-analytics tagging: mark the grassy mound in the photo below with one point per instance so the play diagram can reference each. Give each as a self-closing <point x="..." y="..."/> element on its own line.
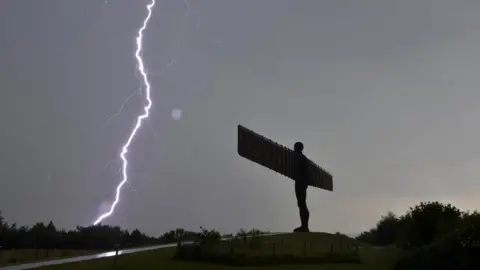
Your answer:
<point x="285" y="249"/>
<point x="308" y="251"/>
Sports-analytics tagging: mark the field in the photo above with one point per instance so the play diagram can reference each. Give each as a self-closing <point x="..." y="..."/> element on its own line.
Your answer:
<point x="9" y="257"/>
<point x="300" y="243"/>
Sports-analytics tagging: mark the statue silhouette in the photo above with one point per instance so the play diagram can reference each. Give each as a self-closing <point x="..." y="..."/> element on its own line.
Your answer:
<point x="301" y="186"/>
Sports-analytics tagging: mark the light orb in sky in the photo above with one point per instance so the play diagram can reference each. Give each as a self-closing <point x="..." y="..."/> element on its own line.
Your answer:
<point x="177" y="114"/>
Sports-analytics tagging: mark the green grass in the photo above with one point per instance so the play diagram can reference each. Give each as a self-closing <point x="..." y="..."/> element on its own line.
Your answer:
<point x="9" y="257"/>
<point x="374" y="258"/>
<point x="312" y="242"/>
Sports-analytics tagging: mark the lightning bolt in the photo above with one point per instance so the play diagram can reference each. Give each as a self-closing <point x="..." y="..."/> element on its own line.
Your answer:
<point x="148" y="106"/>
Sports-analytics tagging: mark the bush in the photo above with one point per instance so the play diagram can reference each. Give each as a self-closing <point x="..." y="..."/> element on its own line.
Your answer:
<point x="208" y="237"/>
<point x="422" y="225"/>
<point x="459" y="250"/>
<point x="256" y="242"/>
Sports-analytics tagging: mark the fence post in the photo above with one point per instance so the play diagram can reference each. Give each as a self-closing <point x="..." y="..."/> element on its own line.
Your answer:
<point x="115" y="257"/>
<point x="179" y="244"/>
<point x="13" y="257"/>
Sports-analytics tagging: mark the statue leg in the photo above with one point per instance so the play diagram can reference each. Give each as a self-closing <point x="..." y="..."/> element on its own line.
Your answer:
<point x="301" y="194"/>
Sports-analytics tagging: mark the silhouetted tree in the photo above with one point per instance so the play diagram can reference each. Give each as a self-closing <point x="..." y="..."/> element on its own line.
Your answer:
<point x="385" y="233"/>
<point x="242" y="234"/>
<point x="428" y="221"/>
<point x="438" y="236"/>
<point x="47" y="237"/>
<point x="387" y="229"/>
<point x="456" y="250"/>
<point x="420" y="226"/>
<point x="208" y="237"/>
<point x="3" y="230"/>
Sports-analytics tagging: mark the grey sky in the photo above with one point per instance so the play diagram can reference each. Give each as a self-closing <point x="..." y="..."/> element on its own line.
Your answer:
<point x="383" y="94"/>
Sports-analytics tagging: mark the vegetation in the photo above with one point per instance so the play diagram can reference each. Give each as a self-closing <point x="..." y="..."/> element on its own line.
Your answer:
<point x="287" y="243"/>
<point x="434" y="236"/>
<point x="250" y="249"/>
<point x="430" y="235"/>
<point x="40" y="242"/>
<point x="12" y="256"/>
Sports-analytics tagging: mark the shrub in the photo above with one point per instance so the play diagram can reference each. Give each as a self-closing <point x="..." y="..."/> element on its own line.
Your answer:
<point x="256" y="242"/>
<point x="459" y="250"/>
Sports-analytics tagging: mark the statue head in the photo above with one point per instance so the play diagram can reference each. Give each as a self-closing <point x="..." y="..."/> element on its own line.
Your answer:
<point x="298" y="147"/>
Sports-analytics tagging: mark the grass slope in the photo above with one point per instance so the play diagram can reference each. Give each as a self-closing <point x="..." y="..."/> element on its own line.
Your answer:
<point x="374" y="258"/>
<point x="12" y="257"/>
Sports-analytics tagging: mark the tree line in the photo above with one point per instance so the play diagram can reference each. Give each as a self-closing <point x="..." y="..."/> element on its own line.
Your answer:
<point x="421" y="225"/>
<point x="100" y="237"/>
<point x="432" y="234"/>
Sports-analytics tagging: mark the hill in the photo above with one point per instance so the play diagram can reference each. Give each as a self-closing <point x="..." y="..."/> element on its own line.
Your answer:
<point x="299" y="244"/>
